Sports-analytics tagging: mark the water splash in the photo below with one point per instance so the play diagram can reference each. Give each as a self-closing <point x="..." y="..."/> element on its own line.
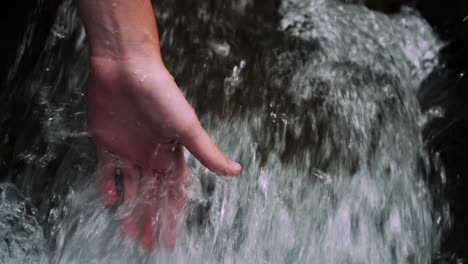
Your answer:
<point x="321" y="112"/>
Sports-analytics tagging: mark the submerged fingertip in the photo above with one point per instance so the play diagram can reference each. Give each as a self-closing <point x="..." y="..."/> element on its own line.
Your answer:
<point x="147" y="241"/>
<point x="110" y="200"/>
<point x="109" y="193"/>
<point x="130" y="229"/>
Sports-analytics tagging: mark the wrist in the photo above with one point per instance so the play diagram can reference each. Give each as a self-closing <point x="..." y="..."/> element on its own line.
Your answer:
<point x="115" y="48"/>
<point x="120" y="29"/>
<point x="135" y="67"/>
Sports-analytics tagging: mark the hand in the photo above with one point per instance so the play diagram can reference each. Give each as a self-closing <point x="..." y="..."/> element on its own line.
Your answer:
<point x="140" y="120"/>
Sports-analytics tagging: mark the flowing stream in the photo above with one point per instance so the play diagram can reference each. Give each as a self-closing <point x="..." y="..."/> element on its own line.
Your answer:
<point x="319" y="108"/>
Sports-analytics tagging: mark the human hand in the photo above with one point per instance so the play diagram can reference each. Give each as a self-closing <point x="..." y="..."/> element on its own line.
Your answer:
<point x="140" y="120"/>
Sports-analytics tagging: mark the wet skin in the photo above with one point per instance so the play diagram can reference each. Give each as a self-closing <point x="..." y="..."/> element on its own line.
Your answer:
<point x="140" y="120"/>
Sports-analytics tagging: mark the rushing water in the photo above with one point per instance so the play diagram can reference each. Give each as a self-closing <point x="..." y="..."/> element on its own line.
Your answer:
<point x="320" y="109"/>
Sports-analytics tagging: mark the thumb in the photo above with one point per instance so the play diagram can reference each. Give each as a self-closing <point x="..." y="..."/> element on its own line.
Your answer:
<point x="199" y="143"/>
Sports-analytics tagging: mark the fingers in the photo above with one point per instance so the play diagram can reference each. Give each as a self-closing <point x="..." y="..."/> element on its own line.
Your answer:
<point x="149" y="232"/>
<point x="107" y="184"/>
<point x="167" y="198"/>
<point x="131" y="177"/>
<point x="131" y="181"/>
<point x="160" y="226"/>
<point x="176" y="113"/>
<point x="199" y="143"/>
<point x="166" y="230"/>
<point x="176" y="202"/>
<point x="151" y="192"/>
<point x="153" y="197"/>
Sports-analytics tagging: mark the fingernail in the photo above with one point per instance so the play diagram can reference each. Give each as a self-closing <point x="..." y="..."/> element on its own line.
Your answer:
<point x="234" y="167"/>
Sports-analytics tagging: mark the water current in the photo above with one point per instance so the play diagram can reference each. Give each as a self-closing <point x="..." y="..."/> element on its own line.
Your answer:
<point x="319" y="108"/>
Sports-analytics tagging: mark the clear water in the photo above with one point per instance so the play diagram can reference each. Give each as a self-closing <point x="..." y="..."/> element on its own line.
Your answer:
<point x="321" y="110"/>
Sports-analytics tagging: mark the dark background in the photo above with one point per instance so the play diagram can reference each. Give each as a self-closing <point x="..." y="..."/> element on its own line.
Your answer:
<point x="447" y="86"/>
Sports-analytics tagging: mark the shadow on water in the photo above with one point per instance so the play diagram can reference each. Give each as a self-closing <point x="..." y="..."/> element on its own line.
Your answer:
<point x="319" y="111"/>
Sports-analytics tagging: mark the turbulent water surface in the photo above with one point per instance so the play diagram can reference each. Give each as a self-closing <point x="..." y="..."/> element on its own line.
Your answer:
<point x="320" y="109"/>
